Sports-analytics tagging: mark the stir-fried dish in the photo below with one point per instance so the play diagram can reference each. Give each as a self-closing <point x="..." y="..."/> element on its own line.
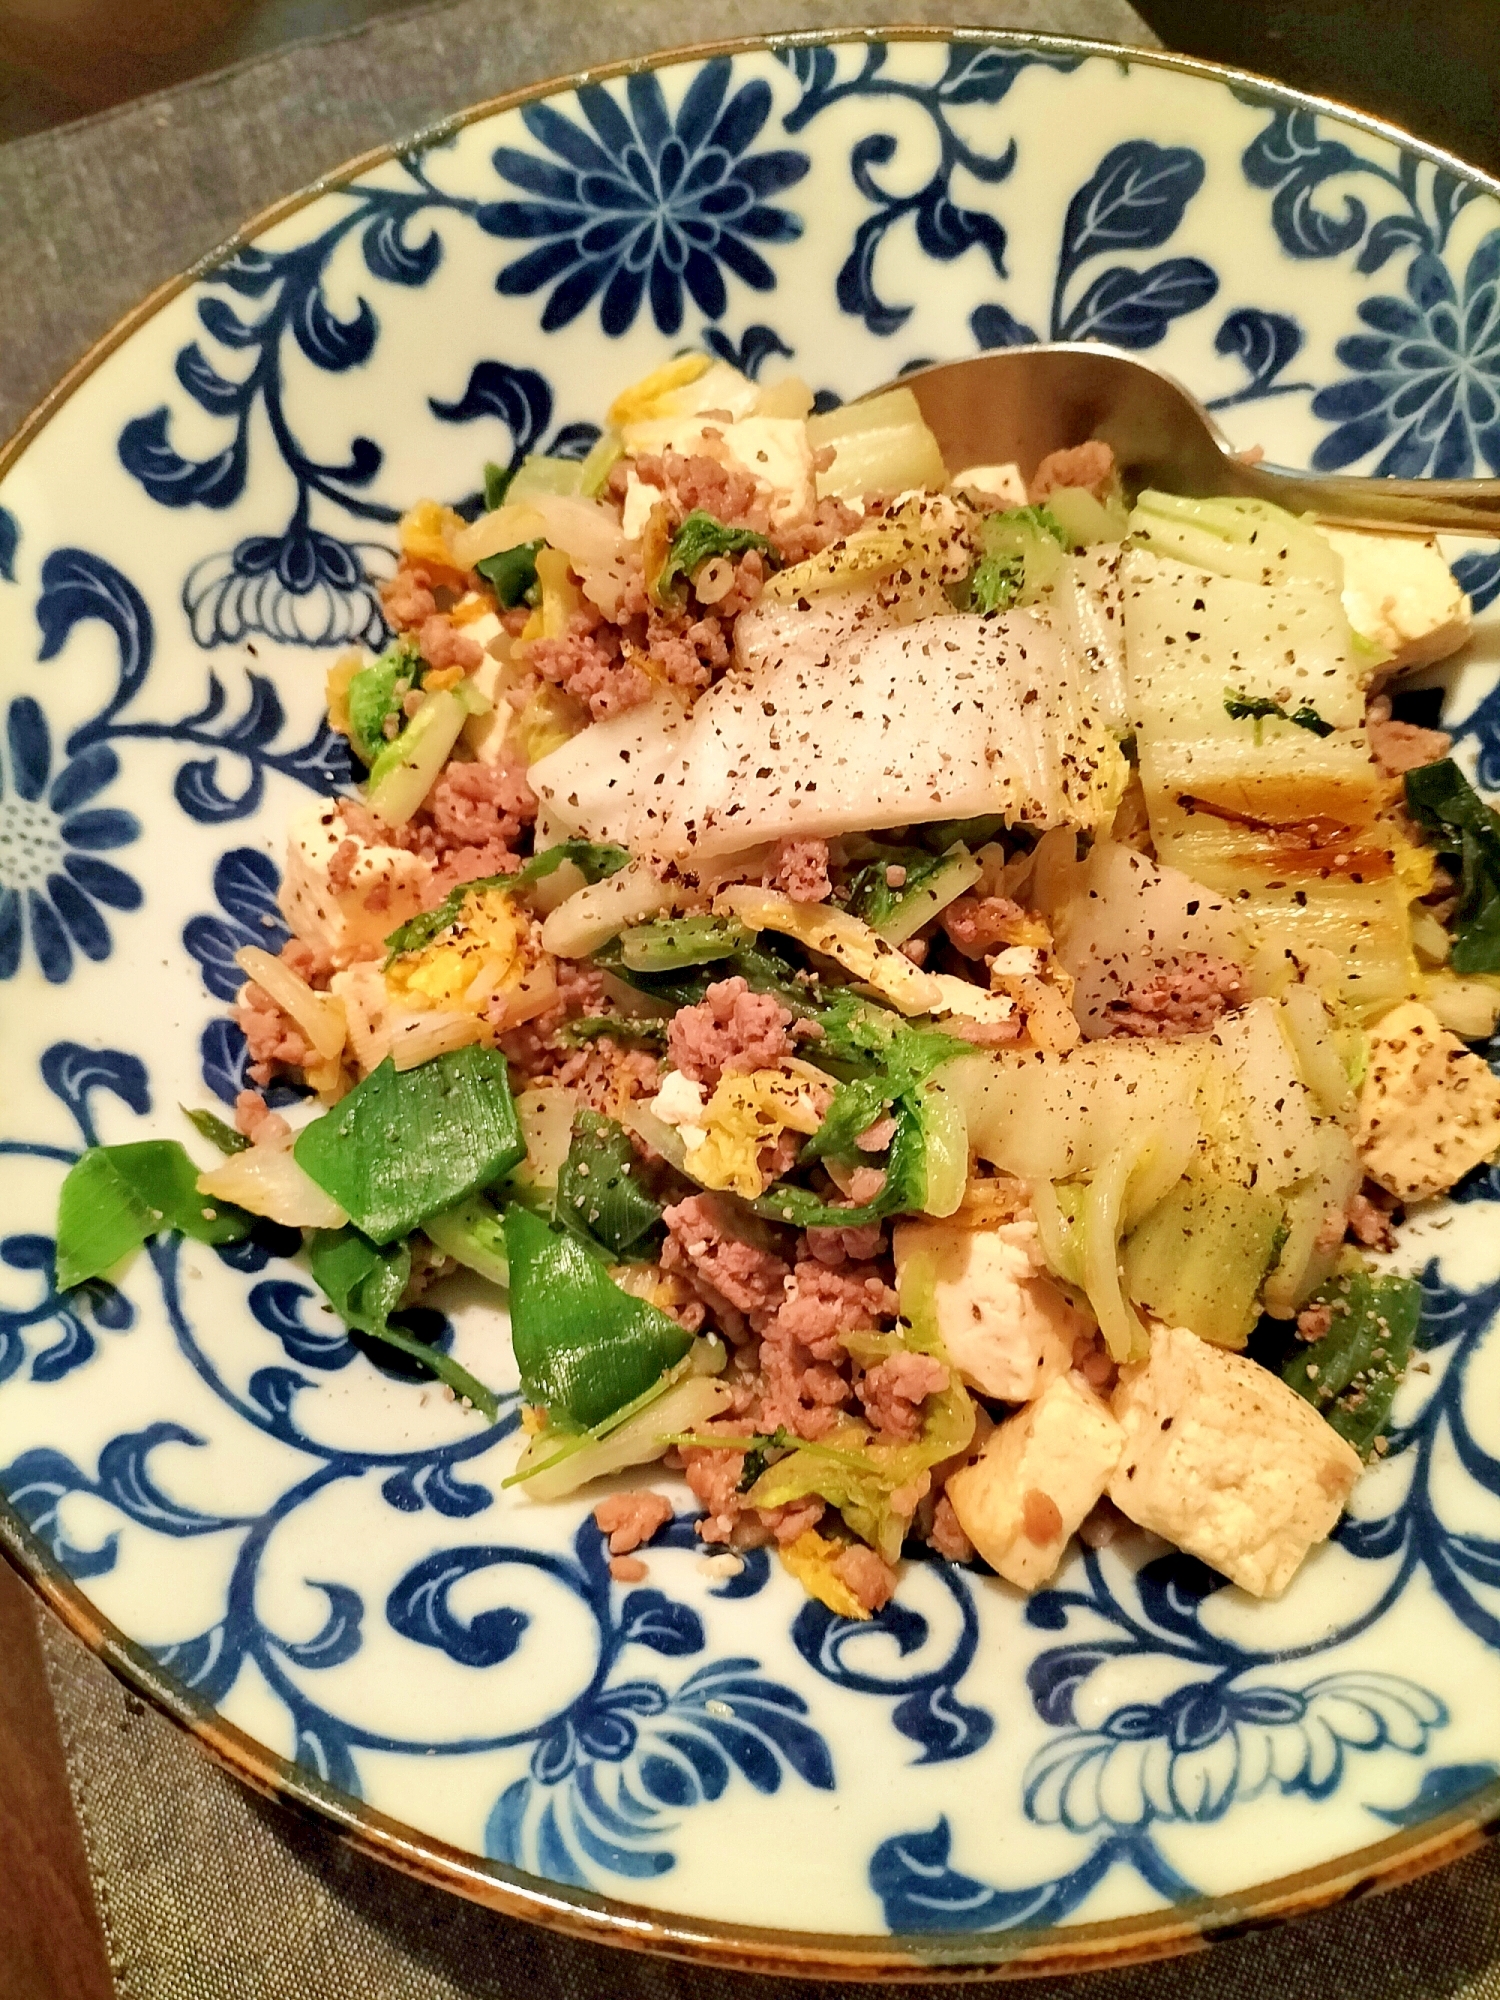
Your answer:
<point x="926" y="997"/>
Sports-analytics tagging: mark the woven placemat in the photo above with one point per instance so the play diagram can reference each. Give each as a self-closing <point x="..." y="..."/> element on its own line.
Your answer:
<point x="206" y="1892"/>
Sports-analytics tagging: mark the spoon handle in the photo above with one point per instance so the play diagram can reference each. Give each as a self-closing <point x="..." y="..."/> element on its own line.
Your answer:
<point x="1418" y="506"/>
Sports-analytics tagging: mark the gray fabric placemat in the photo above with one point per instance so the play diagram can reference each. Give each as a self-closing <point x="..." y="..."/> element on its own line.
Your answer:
<point x="93" y="215"/>
<point x="205" y="1892"/>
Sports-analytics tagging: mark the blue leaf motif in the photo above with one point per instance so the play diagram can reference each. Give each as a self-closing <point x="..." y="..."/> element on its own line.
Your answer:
<point x="125" y="1482"/>
<point x="920" y="1891"/>
<point x="388" y="254"/>
<point x="1390" y="234"/>
<point x="439" y="1487"/>
<point x="1134" y="308"/>
<point x="1134" y="200"/>
<point x="1479" y="573"/>
<point x="418" y="1609"/>
<point x="519" y="397"/>
<point x="1054" y="1678"/>
<point x="175" y="481"/>
<point x="751" y="352"/>
<point x="72" y="1073"/>
<point x="78" y="586"/>
<point x="1265" y="344"/>
<point x="340" y="1637"/>
<point x="1444" y="1786"/>
<point x="321" y="1747"/>
<point x="994" y="326"/>
<point x="10" y="540"/>
<point x="208" y="1664"/>
<point x="650" y="1619"/>
<point x="36" y="1484"/>
<point x="223" y="1057"/>
<point x="278" y="1305"/>
<point x="207" y="387"/>
<point x="1290" y="157"/>
<point x="275" y="1390"/>
<point x="331" y="343"/>
<point x="985" y="75"/>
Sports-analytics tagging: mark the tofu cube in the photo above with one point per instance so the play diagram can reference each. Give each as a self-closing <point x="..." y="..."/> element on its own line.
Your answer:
<point x="1040" y="1474"/>
<point x="1399" y="592"/>
<point x="1007" y="1328"/>
<point x="1223" y="1459"/>
<point x="379" y="891"/>
<point x="1429" y="1109"/>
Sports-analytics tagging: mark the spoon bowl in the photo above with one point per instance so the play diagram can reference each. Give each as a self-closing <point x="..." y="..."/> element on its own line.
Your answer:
<point x="1015" y="404"/>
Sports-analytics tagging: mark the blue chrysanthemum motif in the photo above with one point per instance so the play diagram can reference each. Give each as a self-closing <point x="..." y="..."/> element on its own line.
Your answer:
<point x="51" y="877"/>
<point x="1194" y="1755"/>
<point x="1426" y="377"/>
<point x="302" y="587"/>
<point x="636" y="201"/>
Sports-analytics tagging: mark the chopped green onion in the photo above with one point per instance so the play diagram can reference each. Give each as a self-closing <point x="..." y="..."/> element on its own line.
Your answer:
<point x="497" y="480"/>
<point x="584" y="1346"/>
<point x="117" y="1196"/>
<point x="512" y="573"/>
<point x="217" y="1133"/>
<point x="1351" y="1375"/>
<point x="404" y="1144"/>
<point x="671" y="943"/>
<point x="700" y="538"/>
<point x="601" y="1195"/>
<point x="364" y="1284"/>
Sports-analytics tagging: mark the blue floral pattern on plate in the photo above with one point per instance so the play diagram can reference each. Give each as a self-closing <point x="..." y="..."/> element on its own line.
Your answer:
<point x="332" y="1561"/>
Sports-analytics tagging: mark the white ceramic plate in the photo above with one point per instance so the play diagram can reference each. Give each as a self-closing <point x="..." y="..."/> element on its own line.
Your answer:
<point x="309" y="1559"/>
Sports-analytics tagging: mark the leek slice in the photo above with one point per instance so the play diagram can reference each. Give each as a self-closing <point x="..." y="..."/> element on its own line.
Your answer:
<point x="404" y="1144"/>
<point x="115" y="1197"/>
<point x="584" y="1347"/>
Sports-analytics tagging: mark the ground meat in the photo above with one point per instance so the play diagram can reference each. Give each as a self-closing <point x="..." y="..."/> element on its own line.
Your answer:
<point x="1186" y="1001"/>
<point x="708" y="1241"/>
<point x="1091" y="465"/>
<point x="745" y="590"/>
<point x="407" y="599"/>
<point x="467" y="864"/>
<point x="830" y="521"/>
<point x="341" y="867"/>
<point x="821" y="1305"/>
<point x="872" y="1581"/>
<point x="877" y="1137"/>
<point x="978" y="925"/>
<point x="533" y="1048"/>
<point x="1313" y="1322"/>
<point x="799" y="868"/>
<point x="441" y="644"/>
<point x="894" y="1390"/>
<point x="1094" y="1362"/>
<point x="730" y="1032"/>
<point x="946" y="1535"/>
<point x="1102" y="1525"/>
<point x="1399" y="747"/>
<point x="714" y="1477"/>
<point x="627" y="1569"/>
<point x="1368" y="1223"/>
<point x="629" y="1519"/>
<point x="587" y="663"/>
<point x="689" y="480"/>
<point x="605" y="1075"/>
<point x="260" y="1125"/>
<point x="311" y="962"/>
<point x="864" y="1184"/>
<point x="474" y="804"/>
<point x="272" y="1041"/>
<point x="835" y="1246"/>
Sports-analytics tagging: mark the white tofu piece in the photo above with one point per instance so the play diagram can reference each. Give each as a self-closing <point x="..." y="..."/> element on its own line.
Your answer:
<point x="773" y="450"/>
<point x="1223" y="1459"/>
<point x="487" y="735"/>
<point x="1001" y="482"/>
<point x="1007" y="1328"/>
<point x="1399" y="592"/>
<point x="384" y="888"/>
<point x="1429" y="1109"/>
<point x="1038" y="1477"/>
<point x="640" y="498"/>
